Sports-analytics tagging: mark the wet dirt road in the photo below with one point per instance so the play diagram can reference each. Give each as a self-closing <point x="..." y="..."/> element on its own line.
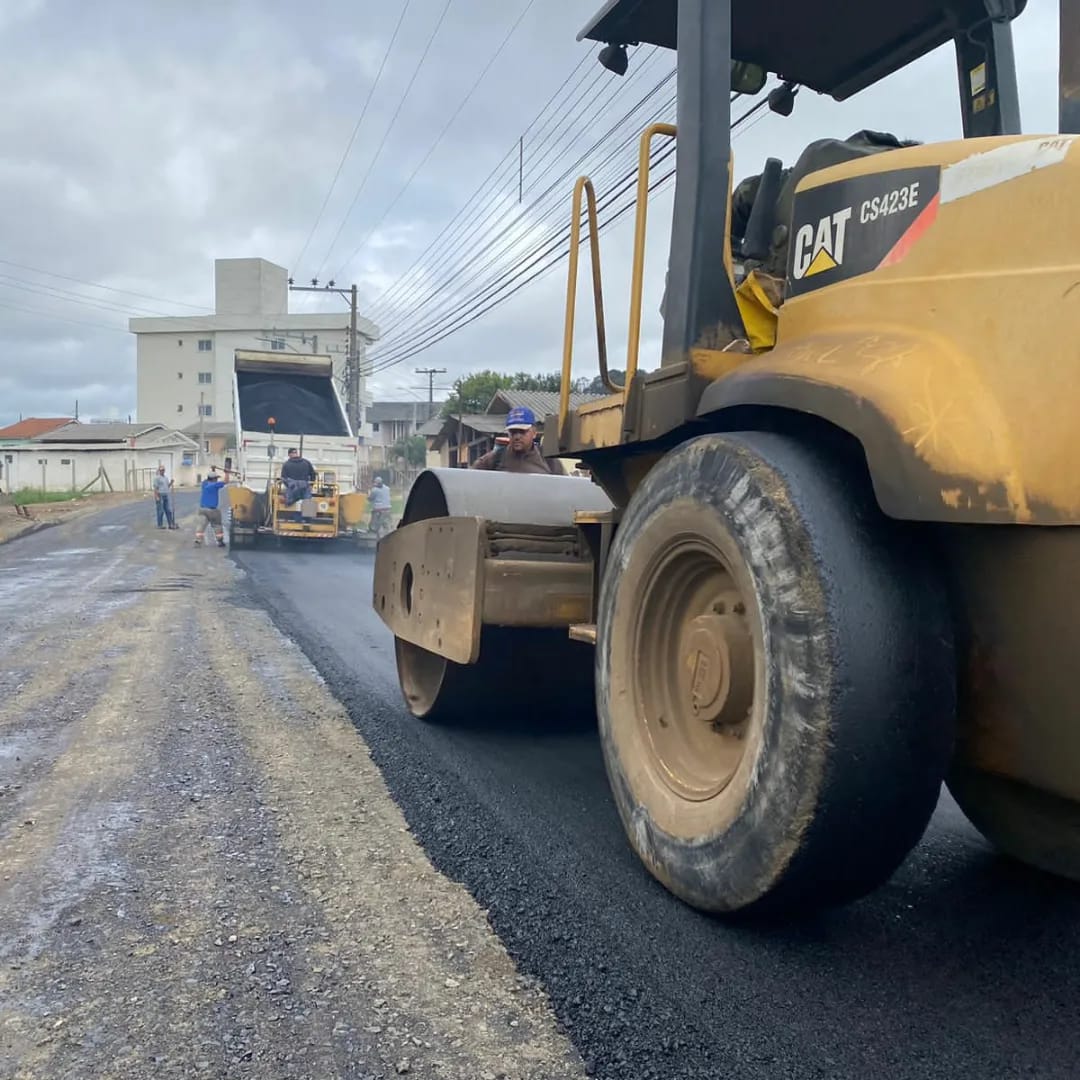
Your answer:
<point x="201" y="871"/>
<point x="963" y="966"/>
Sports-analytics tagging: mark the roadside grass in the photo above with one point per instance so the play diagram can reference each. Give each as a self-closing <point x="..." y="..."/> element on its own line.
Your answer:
<point x="31" y="496"/>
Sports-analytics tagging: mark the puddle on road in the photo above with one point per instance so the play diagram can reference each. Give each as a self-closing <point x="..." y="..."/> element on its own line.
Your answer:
<point x="16" y="746"/>
<point x="81" y="859"/>
<point x="19" y="753"/>
<point x="64" y="553"/>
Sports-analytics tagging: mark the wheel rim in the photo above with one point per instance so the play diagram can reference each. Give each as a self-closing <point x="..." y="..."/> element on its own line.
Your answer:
<point x="421" y="674"/>
<point x="694" y="682"/>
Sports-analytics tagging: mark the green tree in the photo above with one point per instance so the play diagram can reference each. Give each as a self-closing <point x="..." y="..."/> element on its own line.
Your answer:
<point x="472" y="393"/>
<point x="412" y="449"/>
<point x="524" y="381"/>
<point x="596" y="385"/>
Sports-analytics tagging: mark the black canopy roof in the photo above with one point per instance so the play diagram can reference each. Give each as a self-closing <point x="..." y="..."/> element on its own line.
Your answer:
<point x="837" y="47"/>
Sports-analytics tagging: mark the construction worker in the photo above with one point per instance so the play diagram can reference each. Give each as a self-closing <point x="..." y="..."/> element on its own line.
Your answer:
<point x="379" y="498"/>
<point x="520" y="455"/>
<point x="163" y="499"/>
<point x="209" y="510"/>
<point x="298" y="474"/>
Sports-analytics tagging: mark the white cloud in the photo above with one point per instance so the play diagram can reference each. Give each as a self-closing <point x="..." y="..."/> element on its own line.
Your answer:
<point x="143" y="142"/>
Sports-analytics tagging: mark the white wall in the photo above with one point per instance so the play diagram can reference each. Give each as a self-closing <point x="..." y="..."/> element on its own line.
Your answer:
<point x="69" y="468"/>
<point x="250" y="287"/>
<point x="169" y="365"/>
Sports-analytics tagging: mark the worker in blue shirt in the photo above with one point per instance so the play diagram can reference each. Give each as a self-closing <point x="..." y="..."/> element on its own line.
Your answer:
<point x="209" y="511"/>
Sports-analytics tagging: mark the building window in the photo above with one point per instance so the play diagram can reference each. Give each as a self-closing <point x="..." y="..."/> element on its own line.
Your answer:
<point x="206" y="410"/>
<point x="179" y="374"/>
<point x="179" y="408"/>
<point x="375" y="426"/>
<point x="277" y="344"/>
<point x="179" y="342"/>
<point x="206" y="376"/>
<point x="205" y="344"/>
<point x="65" y="461"/>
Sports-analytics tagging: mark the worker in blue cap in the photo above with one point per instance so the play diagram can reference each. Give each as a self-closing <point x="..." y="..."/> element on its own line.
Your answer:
<point x="520" y="455"/>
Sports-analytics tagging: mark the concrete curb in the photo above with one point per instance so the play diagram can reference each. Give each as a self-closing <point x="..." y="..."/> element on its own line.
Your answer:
<point x="31" y="527"/>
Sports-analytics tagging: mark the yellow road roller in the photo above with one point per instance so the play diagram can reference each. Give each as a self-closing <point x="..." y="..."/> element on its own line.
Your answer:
<point x="830" y="555"/>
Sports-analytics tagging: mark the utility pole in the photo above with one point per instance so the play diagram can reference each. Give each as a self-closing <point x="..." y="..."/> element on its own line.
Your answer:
<point x="431" y="372"/>
<point x="352" y="366"/>
<point x="202" y="430"/>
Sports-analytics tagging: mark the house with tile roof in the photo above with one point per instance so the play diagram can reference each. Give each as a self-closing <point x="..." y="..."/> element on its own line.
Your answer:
<point x="31" y="427"/>
<point x="99" y="456"/>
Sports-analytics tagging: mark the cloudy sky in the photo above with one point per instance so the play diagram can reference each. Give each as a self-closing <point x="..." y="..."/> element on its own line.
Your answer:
<point x="143" y="140"/>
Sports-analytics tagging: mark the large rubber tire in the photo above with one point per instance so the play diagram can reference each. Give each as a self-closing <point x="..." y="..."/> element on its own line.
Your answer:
<point x="775" y="677"/>
<point x="537" y="679"/>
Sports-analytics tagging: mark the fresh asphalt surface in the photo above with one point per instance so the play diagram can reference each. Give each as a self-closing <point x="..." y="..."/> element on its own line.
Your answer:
<point x="964" y="965"/>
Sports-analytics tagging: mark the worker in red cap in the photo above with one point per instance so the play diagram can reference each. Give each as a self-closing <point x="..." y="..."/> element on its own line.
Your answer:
<point x="520" y="455"/>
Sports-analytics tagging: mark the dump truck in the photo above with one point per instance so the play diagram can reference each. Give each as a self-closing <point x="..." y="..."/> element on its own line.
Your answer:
<point x="832" y="552"/>
<point x="283" y="401"/>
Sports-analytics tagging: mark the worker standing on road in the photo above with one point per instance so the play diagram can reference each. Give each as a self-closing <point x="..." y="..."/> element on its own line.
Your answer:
<point x="298" y="474"/>
<point x="209" y="511"/>
<point x="379" y="498"/>
<point x="163" y="501"/>
<point x="521" y="455"/>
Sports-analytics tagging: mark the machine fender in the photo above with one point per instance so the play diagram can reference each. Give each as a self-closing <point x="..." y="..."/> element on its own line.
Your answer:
<point x="937" y="445"/>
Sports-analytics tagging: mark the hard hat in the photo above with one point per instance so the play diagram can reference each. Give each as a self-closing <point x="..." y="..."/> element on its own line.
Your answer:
<point x="520" y="419"/>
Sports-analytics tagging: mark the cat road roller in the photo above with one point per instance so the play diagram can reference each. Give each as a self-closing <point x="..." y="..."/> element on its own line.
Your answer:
<point x="830" y="556"/>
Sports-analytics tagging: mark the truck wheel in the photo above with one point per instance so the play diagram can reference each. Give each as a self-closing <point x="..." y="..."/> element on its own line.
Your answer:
<point x="522" y="678"/>
<point x="775" y="677"/>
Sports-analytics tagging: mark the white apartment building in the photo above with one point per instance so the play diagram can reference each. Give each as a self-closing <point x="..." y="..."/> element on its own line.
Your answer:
<point x="184" y="363"/>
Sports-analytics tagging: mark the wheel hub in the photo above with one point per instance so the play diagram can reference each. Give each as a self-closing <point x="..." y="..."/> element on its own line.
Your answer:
<point x="696" y="680"/>
<point x="719" y="669"/>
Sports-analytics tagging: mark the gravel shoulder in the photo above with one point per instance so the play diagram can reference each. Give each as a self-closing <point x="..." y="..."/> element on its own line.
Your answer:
<point x="201" y="870"/>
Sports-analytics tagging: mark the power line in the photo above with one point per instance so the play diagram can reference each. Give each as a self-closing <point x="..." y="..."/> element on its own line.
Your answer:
<point x="534" y="146"/>
<point x="41" y="289"/>
<point x="352" y="137"/>
<point x="529" y="262"/>
<point x="480" y="304"/>
<point x="100" y="285"/>
<point x="476" y="196"/>
<point x="434" y="146"/>
<point x="431" y="372"/>
<point x="654" y="189"/>
<point x="502" y="241"/>
<point x="448" y="311"/>
<point x="61" y="318"/>
<point x="557" y="244"/>
<point x="471" y="226"/>
<point x="386" y="134"/>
